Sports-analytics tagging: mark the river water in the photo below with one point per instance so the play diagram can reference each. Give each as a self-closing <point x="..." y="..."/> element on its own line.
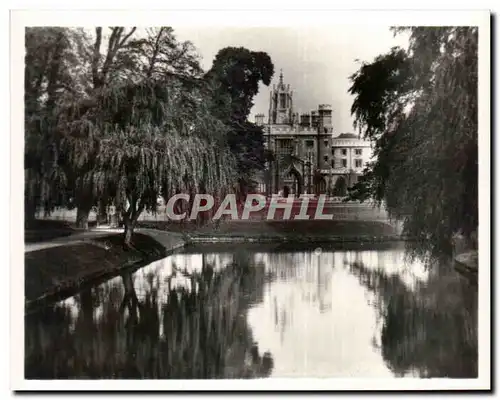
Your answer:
<point x="263" y="311"/>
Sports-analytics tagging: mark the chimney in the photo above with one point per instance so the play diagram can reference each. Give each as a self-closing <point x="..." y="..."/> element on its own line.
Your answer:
<point x="305" y="120"/>
<point x="314" y="119"/>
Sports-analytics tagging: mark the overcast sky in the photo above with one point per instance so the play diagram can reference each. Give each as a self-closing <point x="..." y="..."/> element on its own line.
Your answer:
<point x="316" y="62"/>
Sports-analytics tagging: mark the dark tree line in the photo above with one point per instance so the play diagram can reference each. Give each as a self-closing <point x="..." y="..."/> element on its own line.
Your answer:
<point x="118" y="117"/>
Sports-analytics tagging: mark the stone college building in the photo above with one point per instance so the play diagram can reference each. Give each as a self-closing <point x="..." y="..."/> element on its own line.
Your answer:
<point x="307" y="156"/>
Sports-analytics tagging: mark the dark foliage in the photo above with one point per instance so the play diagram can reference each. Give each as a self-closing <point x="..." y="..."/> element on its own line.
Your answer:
<point x="419" y="108"/>
<point x="236" y="74"/>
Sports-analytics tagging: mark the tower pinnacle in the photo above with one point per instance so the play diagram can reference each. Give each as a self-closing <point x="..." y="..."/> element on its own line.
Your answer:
<point x="281" y="76"/>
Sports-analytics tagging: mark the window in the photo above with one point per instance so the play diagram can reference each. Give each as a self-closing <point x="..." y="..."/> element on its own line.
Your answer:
<point x="333" y="162"/>
<point x="325" y="142"/>
<point x="282" y="100"/>
<point x="309" y="143"/>
<point x="344" y="162"/>
<point x="358" y="152"/>
<point x="358" y="163"/>
<point x="284" y="147"/>
<point x="325" y="158"/>
<point x="333" y="151"/>
<point x="344" y="152"/>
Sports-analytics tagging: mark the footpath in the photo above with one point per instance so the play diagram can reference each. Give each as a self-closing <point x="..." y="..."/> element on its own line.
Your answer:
<point x="170" y="240"/>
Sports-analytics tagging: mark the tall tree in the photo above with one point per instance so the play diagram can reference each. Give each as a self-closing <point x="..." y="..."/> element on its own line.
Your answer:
<point x="63" y="68"/>
<point x="161" y="55"/>
<point x="109" y="66"/>
<point x="236" y="73"/>
<point x="419" y="107"/>
<point x="52" y="55"/>
<point x="143" y="144"/>
<point x="127" y="59"/>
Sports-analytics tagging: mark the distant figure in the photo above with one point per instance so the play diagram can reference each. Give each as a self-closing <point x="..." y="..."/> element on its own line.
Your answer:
<point x="114" y="220"/>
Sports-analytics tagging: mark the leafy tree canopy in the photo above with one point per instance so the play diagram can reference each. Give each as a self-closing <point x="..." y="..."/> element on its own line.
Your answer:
<point x="239" y="72"/>
<point x="142" y="140"/>
<point x="236" y="74"/>
<point x="419" y="108"/>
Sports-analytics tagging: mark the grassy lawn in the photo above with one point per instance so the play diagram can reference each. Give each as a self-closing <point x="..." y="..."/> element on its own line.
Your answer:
<point x="170" y="226"/>
<point x="42" y="230"/>
<point x="64" y="268"/>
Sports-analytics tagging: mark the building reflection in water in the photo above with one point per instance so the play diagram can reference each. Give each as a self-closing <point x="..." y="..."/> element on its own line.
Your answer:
<point x="339" y="313"/>
<point x="314" y="318"/>
<point x="248" y="314"/>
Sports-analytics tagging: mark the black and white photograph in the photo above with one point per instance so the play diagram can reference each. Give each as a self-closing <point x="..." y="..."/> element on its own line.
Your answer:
<point x="272" y="200"/>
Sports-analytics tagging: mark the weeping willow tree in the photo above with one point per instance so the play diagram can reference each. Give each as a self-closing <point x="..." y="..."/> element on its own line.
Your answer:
<point x="419" y="108"/>
<point x="139" y="141"/>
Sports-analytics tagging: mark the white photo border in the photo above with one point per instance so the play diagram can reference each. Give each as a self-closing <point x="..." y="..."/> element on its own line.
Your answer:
<point x="21" y="19"/>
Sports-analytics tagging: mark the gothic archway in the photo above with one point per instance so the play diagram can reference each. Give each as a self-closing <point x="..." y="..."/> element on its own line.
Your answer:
<point x="294" y="182"/>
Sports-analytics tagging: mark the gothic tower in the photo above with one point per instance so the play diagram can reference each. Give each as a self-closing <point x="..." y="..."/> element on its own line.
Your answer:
<point x="281" y="103"/>
<point x="325" y="118"/>
<point x="324" y="129"/>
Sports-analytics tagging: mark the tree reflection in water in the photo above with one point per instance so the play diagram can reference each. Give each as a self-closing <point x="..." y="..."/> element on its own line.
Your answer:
<point x="198" y="332"/>
<point x="431" y="330"/>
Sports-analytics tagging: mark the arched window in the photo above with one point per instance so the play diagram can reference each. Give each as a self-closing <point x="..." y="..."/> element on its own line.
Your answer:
<point x="294" y="181"/>
<point x="322" y="185"/>
<point x="282" y="100"/>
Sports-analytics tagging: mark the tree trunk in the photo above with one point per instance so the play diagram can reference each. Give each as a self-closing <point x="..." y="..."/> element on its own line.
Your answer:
<point x="102" y="214"/>
<point x="82" y="217"/>
<point x="29" y="213"/>
<point x="129" y="230"/>
<point x="46" y="209"/>
<point x="130" y="218"/>
<point x="83" y="202"/>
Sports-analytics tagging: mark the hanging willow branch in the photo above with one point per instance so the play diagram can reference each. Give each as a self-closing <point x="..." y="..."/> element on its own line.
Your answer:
<point x="139" y="141"/>
<point x="419" y="107"/>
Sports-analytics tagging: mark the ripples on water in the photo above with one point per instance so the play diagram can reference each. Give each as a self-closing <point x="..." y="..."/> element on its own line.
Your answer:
<point x="250" y="314"/>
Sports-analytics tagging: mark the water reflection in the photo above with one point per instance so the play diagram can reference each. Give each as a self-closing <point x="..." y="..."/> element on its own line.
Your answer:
<point x="430" y="331"/>
<point x="165" y="321"/>
<point x="366" y="313"/>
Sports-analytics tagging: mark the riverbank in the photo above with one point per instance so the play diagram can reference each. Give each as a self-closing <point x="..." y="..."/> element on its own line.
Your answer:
<point x="59" y="268"/>
<point x="467" y="264"/>
<point x="292" y="231"/>
<point x="56" y="272"/>
<point x="466" y="257"/>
